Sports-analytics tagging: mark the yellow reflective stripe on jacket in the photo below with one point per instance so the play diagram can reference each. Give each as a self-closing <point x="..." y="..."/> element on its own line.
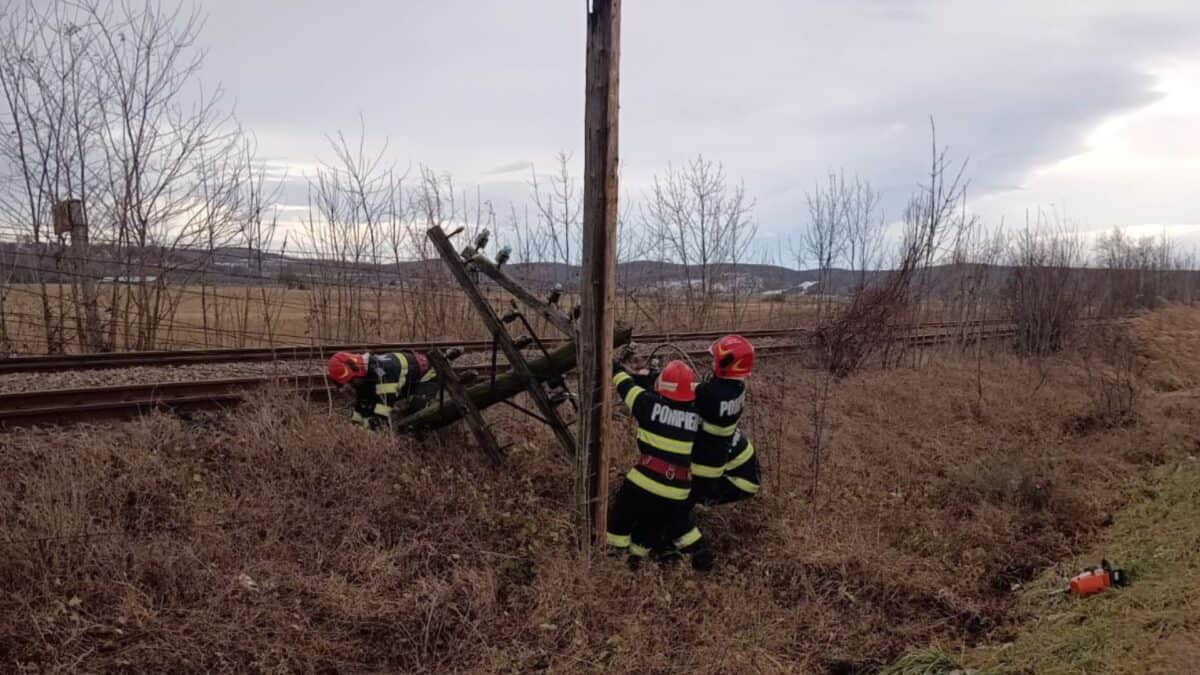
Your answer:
<point x="650" y="485"/>
<point x="743" y="457"/>
<point x="618" y="540"/>
<point x="719" y="431"/>
<point x="631" y="396"/>
<point x="383" y="410"/>
<point x="429" y="376"/>
<point x="634" y="391"/>
<point x="743" y="484"/>
<point x="665" y="444"/>
<point x="357" y="418"/>
<point x="638" y="550"/>
<point x="403" y="361"/>
<point x="690" y="537"/>
<point x="702" y="471"/>
<point x="387" y="388"/>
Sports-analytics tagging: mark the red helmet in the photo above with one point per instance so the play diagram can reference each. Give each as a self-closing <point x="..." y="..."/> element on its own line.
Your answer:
<point x="733" y="357"/>
<point x="345" y="366"/>
<point x="676" y="382"/>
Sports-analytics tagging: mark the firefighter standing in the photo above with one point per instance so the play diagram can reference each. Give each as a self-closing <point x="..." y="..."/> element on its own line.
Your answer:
<point x="724" y="466"/>
<point x="381" y="381"/>
<point x="651" y="511"/>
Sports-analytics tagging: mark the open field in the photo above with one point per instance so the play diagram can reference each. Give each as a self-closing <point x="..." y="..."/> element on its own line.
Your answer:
<point x="270" y="316"/>
<point x="279" y="539"/>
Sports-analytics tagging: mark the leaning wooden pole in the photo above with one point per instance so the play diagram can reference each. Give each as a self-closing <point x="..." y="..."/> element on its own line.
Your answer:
<point x="598" y="277"/>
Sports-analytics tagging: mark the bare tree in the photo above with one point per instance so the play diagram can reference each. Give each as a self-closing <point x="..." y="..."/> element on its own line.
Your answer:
<point x="1045" y="293"/>
<point x="702" y="223"/>
<point x="865" y="225"/>
<point x="559" y="208"/>
<point x="825" y="239"/>
<point x="352" y="209"/>
<point x="933" y="216"/>
<point x="103" y="104"/>
<point x="870" y="320"/>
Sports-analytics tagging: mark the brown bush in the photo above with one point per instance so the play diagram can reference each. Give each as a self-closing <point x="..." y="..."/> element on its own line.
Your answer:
<point x="1114" y="373"/>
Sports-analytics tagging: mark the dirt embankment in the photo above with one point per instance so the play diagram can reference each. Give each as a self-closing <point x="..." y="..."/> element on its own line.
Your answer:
<point x="280" y="538"/>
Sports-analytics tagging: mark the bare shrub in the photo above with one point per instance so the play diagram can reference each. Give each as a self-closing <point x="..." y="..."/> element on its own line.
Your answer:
<point x="1113" y="368"/>
<point x="1045" y="296"/>
<point x="875" y="315"/>
<point x="866" y="326"/>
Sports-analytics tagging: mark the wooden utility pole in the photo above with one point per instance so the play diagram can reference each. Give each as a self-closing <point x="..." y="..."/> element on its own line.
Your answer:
<point x="598" y="277"/>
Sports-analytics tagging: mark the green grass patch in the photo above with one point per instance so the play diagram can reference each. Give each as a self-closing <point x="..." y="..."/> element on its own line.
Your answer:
<point x="1150" y="626"/>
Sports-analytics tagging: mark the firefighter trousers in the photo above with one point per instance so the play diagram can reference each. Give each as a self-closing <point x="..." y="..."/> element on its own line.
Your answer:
<point x="643" y="523"/>
<point x="734" y="486"/>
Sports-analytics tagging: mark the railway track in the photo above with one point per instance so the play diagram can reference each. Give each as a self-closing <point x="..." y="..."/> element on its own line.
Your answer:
<point x="64" y="406"/>
<point x="186" y="357"/>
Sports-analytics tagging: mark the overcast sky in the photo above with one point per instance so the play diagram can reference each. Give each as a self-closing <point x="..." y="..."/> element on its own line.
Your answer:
<point x="1087" y="108"/>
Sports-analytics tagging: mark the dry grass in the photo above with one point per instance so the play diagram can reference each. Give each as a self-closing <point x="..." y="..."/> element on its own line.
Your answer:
<point x="347" y="551"/>
<point x="1169" y="339"/>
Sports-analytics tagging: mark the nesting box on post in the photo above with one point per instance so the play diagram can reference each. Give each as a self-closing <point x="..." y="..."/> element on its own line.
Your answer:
<point x="68" y="215"/>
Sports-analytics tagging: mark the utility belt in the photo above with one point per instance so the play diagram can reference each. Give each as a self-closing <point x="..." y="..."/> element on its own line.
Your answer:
<point x="664" y="468"/>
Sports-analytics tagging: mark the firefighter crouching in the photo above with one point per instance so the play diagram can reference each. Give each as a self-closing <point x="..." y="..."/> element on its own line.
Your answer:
<point x="651" y="511"/>
<point x="381" y="381"/>
<point x="724" y="466"/>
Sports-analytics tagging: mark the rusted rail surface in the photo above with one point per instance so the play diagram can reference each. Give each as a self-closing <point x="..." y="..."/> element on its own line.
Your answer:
<point x="61" y="406"/>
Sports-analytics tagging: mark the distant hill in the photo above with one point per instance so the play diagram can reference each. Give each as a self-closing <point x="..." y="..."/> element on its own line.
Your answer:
<point x="26" y="262"/>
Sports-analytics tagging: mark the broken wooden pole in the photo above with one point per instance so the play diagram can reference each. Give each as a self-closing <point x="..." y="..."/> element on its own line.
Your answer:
<point x="549" y="312"/>
<point x="495" y="325"/>
<point x="484" y="394"/>
<point x="449" y="380"/>
<point x="598" y="276"/>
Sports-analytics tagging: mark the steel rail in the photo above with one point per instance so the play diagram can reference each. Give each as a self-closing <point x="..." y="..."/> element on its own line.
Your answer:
<point x="114" y="402"/>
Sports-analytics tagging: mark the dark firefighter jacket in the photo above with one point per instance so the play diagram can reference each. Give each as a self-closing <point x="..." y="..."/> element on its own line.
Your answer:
<point x="720" y="448"/>
<point x="665" y="432"/>
<point x="390" y="378"/>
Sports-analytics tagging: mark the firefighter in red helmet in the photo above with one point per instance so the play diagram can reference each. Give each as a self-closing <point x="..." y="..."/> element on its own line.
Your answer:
<point x="651" y="512"/>
<point x="381" y="381"/>
<point x="724" y="466"/>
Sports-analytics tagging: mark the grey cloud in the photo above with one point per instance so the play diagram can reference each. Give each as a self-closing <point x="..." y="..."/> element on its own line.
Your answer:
<point x="519" y="165"/>
<point x="779" y="91"/>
